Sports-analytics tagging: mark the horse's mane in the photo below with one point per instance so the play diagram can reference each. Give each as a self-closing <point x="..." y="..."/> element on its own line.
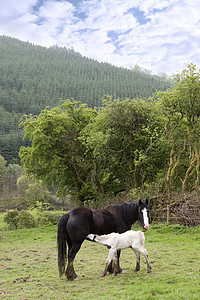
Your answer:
<point x="127" y="209"/>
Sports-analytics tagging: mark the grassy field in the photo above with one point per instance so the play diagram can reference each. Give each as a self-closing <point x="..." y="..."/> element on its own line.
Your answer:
<point x="28" y="267"/>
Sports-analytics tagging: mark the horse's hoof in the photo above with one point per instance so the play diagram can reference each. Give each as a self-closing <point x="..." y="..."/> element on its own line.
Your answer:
<point x="136" y="270"/>
<point x="119" y="270"/>
<point x="110" y="270"/>
<point x="72" y="277"/>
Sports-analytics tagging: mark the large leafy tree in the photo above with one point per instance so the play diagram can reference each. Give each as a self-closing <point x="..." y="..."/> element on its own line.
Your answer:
<point x="90" y="153"/>
<point x="56" y="155"/>
<point x="126" y="141"/>
<point x="181" y="107"/>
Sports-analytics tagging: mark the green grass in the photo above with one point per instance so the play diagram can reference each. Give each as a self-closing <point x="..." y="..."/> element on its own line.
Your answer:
<point x="28" y="267"/>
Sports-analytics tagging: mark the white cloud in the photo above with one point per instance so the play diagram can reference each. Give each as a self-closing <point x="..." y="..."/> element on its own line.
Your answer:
<point x="167" y="40"/>
<point x="56" y="10"/>
<point x="14" y="8"/>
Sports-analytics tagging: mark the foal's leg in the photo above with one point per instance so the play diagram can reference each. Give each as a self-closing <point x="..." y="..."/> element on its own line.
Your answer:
<point x="137" y="254"/>
<point x="108" y="261"/>
<point x="145" y="253"/>
<point x="116" y="268"/>
<point x="147" y="261"/>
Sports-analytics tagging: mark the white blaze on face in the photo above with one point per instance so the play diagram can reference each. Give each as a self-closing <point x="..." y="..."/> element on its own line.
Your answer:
<point x="145" y="218"/>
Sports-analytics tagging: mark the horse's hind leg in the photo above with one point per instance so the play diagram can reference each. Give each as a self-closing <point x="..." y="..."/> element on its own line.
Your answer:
<point x="70" y="273"/>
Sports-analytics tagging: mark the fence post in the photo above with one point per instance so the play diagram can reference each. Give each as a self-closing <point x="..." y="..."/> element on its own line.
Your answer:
<point x="168" y="211"/>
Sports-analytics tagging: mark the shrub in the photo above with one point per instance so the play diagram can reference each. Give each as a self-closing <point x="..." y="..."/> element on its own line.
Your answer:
<point x="25" y="220"/>
<point x="30" y="219"/>
<point x="11" y="218"/>
<point x="49" y="218"/>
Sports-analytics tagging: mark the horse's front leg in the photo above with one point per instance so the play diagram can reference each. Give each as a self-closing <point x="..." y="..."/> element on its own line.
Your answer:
<point x="116" y="265"/>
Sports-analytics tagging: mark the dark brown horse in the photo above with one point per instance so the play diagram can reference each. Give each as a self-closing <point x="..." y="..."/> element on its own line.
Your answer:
<point x="74" y="227"/>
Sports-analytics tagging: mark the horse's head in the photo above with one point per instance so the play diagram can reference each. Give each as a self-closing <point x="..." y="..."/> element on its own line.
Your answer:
<point x="143" y="214"/>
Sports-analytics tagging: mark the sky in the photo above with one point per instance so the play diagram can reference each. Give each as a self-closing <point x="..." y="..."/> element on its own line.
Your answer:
<point x="162" y="36"/>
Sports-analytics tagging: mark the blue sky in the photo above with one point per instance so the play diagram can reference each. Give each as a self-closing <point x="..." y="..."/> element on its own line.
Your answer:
<point x="158" y="35"/>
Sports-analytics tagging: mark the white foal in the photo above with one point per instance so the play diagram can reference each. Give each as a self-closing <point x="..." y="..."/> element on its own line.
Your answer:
<point x="115" y="241"/>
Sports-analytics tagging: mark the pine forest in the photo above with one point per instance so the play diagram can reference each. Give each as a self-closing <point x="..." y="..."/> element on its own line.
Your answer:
<point x="33" y="77"/>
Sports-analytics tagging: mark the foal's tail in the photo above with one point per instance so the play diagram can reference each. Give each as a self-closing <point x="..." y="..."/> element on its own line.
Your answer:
<point x="62" y="237"/>
<point x="142" y="238"/>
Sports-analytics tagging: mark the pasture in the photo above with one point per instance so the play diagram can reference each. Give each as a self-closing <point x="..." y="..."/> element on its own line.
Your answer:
<point x="28" y="267"/>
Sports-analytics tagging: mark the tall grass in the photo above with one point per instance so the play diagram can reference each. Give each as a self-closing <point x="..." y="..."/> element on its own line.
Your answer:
<point x="28" y="259"/>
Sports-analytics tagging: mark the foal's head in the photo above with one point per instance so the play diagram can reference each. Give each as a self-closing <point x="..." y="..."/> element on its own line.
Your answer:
<point x="143" y="214"/>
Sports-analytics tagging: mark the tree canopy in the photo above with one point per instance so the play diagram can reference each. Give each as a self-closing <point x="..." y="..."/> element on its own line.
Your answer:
<point x="125" y="145"/>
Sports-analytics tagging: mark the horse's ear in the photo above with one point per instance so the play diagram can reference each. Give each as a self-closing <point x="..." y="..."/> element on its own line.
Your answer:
<point x="140" y="202"/>
<point x="147" y="201"/>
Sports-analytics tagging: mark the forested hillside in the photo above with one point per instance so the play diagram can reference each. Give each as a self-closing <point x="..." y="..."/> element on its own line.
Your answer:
<point x="33" y="77"/>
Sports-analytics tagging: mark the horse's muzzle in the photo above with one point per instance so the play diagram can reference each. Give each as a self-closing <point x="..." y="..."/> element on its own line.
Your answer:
<point x="146" y="227"/>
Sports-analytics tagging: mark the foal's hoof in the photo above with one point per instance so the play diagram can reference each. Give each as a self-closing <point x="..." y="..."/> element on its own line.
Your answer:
<point x="149" y="271"/>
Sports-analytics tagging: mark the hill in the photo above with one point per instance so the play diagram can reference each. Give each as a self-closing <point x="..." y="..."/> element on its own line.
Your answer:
<point x="33" y="77"/>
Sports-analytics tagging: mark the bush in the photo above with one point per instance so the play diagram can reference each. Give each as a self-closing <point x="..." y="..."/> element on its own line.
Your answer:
<point x="25" y="220"/>
<point x="11" y="218"/>
<point x="49" y="218"/>
<point x="30" y="219"/>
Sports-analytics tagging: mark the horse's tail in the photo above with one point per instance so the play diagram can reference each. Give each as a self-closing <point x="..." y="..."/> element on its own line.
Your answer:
<point x="142" y="238"/>
<point x="62" y="237"/>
